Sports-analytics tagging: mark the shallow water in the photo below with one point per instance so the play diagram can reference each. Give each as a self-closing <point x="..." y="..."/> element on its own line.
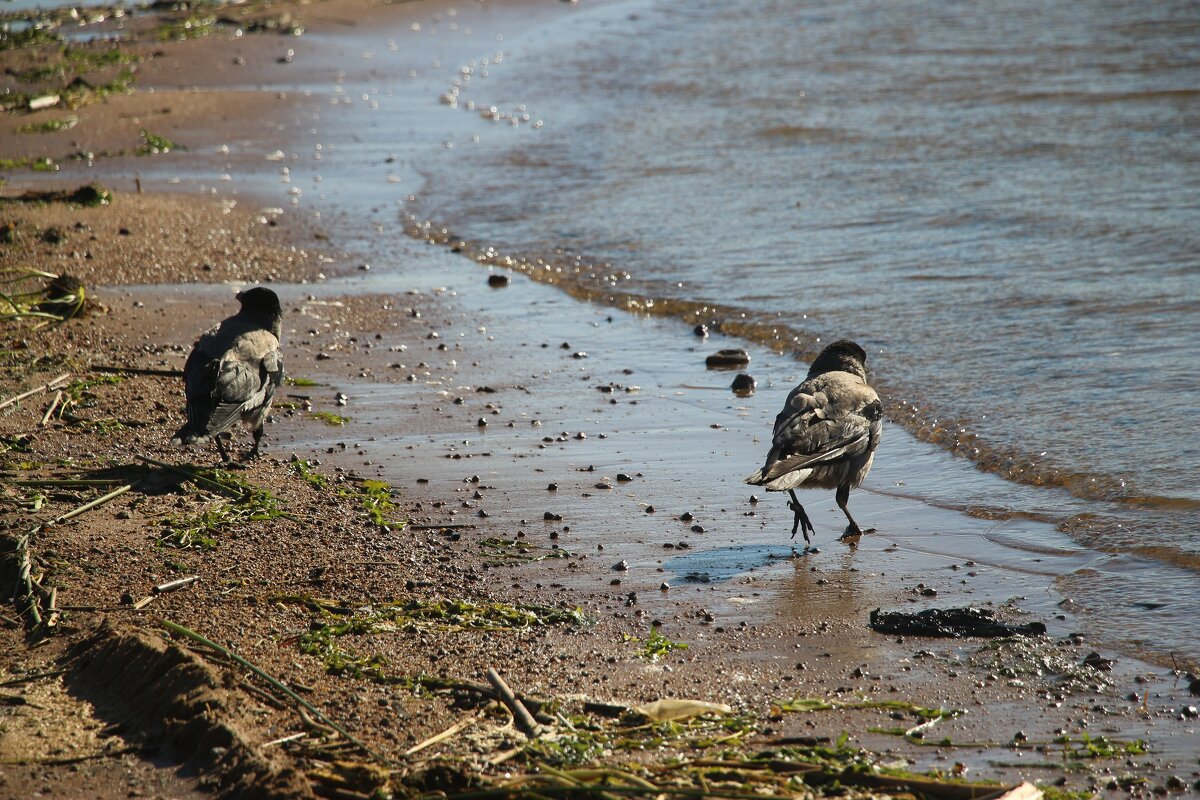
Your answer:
<point x="1000" y="202"/>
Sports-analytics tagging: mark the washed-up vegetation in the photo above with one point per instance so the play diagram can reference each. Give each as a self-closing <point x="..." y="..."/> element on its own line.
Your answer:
<point x="329" y="418"/>
<point x="335" y="621"/>
<point x="517" y="551"/>
<point x="153" y="144"/>
<point x="374" y="497"/>
<point x="201" y="531"/>
<point x="49" y="126"/>
<point x="657" y="646"/>
<point x="29" y="294"/>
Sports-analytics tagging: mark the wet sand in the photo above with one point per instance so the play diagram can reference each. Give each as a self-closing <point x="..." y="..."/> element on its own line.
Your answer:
<point x="763" y="624"/>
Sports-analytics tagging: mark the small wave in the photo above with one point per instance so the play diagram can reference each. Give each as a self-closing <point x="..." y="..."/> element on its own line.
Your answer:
<point x="806" y="134"/>
<point x="1096" y="98"/>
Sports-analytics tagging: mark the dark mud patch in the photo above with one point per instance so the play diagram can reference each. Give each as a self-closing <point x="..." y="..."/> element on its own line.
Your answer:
<point x="950" y="623"/>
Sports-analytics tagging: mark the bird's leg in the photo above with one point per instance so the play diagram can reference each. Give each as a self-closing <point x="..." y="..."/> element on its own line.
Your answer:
<point x="843" y="498"/>
<point x="258" y="434"/>
<point x="801" y="521"/>
<point x="221" y="449"/>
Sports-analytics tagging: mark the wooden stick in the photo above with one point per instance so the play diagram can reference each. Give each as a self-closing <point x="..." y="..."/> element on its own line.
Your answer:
<point x="446" y="734"/>
<point x="52" y="608"/>
<point x="171" y="586"/>
<point x="66" y="482"/>
<point x="525" y="721"/>
<point x="285" y="739"/>
<point x="45" y="762"/>
<point x="25" y="579"/>
<point x="99" y="501"/>
<point x="53" y="405"/>
<point x="34" y="677"/>
<point x="166" y="373"/>
<point x="43" y="388"/>
<point x="455" y="526"/>
<point x="277" y="684"/>
<point x="266" y="697"/>
<point x="192" y="475"/>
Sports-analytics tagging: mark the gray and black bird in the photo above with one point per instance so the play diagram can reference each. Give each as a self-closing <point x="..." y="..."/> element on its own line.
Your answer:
<point x="826" y="435"/>
<point x="233" y="372"/>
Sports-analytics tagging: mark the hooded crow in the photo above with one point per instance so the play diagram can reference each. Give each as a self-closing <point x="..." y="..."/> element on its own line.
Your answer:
<point x="826" y="435"/>
<point x="233" y="371"/>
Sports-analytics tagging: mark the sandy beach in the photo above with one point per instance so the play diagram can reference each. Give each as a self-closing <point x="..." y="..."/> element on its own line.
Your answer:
<point x="464" y="477"/>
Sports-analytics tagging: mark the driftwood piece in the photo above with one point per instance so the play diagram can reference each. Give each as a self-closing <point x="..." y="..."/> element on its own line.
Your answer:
<point x="175" y="585"/>
<point x="524" y="720"/>
<point x="45" y="387"/>
<point x="453" y="730"/>
<point x="50" y="411"/>
<point x="192" y="475"/>
<point x="165" y="373"/>
<point x="99" y="501"/>
<point x="25" y="580"/>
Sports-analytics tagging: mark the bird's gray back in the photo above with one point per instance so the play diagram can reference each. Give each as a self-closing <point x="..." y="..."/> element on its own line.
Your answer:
<point x="826" y="434"/>
<point x="232" y="373"/>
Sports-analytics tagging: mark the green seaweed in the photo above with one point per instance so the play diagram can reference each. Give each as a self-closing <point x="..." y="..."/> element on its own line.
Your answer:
<point x="509" y="551"/>
<point x="153" y="144"/>
<point x="329" y="418"/>
<point x="373" y="496"/>
<point x="49" y="126"/>
<point x="333" y="623"/>
<point x="656" y="645"/>
<point x="200" y="532"/>
<point x="810" y="704"/>
<point x="191" y="27"/>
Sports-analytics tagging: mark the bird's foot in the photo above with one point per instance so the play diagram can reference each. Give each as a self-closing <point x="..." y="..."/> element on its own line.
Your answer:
<point x="853" y="532"/>
<point x="801" y="523"/>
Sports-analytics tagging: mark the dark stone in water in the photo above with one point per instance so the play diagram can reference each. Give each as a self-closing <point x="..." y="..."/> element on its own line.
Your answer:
<point x="497" y="280"/>
<point x="727" y="359"/>
<point x="701" y="331"/>
<point x="743" y="385"/>
<point x="950" y="623"/>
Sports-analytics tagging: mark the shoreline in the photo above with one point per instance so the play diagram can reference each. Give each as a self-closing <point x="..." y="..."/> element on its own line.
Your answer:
<point x="753" y="667"/>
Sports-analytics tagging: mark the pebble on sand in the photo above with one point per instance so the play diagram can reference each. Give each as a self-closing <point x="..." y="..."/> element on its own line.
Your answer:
<point x="743" y="385"/>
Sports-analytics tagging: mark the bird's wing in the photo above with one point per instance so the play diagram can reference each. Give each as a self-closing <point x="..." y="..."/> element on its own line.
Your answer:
<point x="199" y="379"/>
<point x="824" y="420"/>
<point x="249" y="373"/>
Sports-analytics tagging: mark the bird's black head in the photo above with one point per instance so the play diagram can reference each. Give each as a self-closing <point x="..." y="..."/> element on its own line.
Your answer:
<point x="841" y="356"/>
<point x="262" y="305"/>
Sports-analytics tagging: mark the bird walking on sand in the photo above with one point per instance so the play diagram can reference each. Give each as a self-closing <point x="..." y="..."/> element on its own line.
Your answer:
<point x="233" y="372"/>
<point x="826" y="435"/>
